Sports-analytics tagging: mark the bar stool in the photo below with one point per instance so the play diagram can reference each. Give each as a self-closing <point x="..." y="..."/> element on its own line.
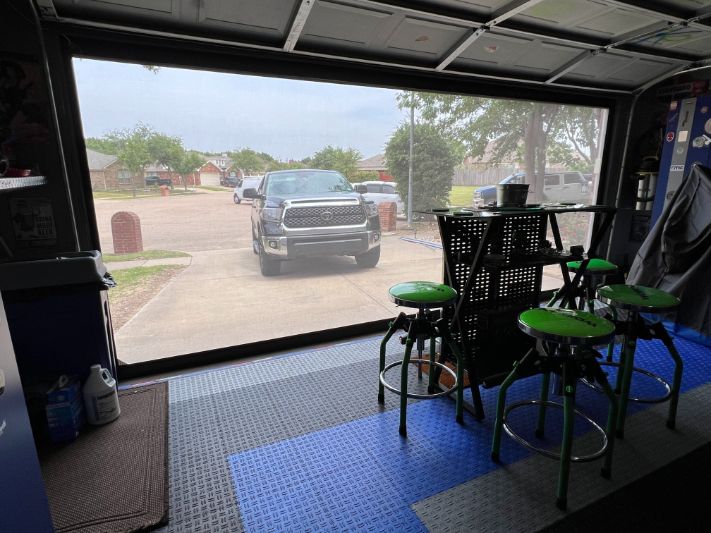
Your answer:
<point x="424" y="296"/>
<point x="636" y="299"/>
<point x="569" y="333"/>
<point x="593" y="277"/>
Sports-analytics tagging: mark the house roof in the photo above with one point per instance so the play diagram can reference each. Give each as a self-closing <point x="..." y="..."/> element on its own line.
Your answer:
<point x="377" y="162"/>
<point x="209" y="166"/>
<point x="155" y="167"/>
<point x="99" y="161"/>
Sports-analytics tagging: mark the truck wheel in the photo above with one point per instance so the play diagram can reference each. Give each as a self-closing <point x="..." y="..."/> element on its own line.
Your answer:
<point x="369" y="259"/>
<point x="267" y="265"/>
<point x="236" y="199"/>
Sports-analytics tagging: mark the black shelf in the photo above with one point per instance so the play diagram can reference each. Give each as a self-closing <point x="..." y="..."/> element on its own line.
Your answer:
<point x="529" y="260"/>
<point x="14" y="184"/>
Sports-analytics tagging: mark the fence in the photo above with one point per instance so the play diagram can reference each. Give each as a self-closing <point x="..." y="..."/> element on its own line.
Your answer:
<point x="481" y="175"/>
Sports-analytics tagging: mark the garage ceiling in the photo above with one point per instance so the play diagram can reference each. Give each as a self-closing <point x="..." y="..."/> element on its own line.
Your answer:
<point x="609" y="45"/>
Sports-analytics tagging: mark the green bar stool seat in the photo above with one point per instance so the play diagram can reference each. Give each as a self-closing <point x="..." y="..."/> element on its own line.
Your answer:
<point x="594" y="276"/>
<point x="636" y="299"/>
<point x="596" y="267"/>
<point x="566" y="337"/>
<point x="425" y="296"/>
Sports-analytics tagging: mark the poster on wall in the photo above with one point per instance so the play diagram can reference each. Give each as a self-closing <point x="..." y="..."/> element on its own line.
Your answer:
<point x="32" y="222"/>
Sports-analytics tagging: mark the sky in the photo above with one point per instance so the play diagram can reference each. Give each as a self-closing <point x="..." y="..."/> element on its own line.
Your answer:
<point x="217" y="112"/>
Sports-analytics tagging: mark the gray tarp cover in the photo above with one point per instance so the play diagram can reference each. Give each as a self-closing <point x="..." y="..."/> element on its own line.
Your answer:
<point x="676" y="255"/>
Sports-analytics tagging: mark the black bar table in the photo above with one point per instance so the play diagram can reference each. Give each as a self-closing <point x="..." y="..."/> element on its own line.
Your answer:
<point x="494" y="259"/>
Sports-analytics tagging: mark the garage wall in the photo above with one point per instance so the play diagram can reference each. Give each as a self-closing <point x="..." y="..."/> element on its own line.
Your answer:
<point x="19" y="44"/>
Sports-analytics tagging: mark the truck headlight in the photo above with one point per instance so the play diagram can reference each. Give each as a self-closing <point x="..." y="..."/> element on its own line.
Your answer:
<point x="272" y="213"/>
<point x="371" y="209"/>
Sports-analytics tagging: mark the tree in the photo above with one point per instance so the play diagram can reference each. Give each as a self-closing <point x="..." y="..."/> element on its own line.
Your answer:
<point x="534" y="133"/>
<point x="288" y="165"/>
<point x="106" y="145"/>
<point x="433" y="165"/>
<point x="165" y="150"/>
<point x="249" y="161"/>
<point x="331" y="158"/>
<point x="581" y="129"/>
<point x="519" y="128"/>
<point x="133" y="150"/>
<point x="188" y="163"/>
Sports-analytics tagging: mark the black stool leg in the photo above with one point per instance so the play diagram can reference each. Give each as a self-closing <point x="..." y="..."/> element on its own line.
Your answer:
<point x="501" y="404"/>
<point x="396" y="324"/>
<point x="569" y="381"/>
<point x="590" y="296"/>
<point x="403" y="383"/>
<point x="449" y="341"/>
<point x="431" y="369"/>
<point x="627" y="364"/>
<point x="474" y="387"/>
<point x="545" y="387"/>
<point x="611" y="346"/>
<point x="420" y="349"/>
<point x="662" y="335"/>
<point x="601" y="378"/>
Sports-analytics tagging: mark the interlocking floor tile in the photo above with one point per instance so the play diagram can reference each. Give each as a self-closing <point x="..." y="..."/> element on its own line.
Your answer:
<point x="305" y="447"/>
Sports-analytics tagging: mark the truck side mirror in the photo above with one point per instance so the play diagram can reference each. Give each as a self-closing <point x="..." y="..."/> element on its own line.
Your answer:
<point x="251" y="193"/>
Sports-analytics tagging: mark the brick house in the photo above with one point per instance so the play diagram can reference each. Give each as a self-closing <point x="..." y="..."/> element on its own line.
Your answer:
<point x="375" y="164"/>
<point x="108" y="173"/>
<point x="210" y="174"/>
<point x="162" y="171"/>
<point x="155" y="169"/>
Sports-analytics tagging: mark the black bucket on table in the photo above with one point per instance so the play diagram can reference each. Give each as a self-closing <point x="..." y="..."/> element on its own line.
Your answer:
<point x="511" y="194"/>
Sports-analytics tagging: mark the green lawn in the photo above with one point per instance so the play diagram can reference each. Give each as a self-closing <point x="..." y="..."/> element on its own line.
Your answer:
<point x="141" y="193"/>
<point x="145" y="255"/>
<point x="461" y="195"/>
<point x="211" y="188"/>
<point x="127" y="279"/>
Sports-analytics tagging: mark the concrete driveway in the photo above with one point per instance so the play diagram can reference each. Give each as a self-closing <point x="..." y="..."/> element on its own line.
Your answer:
<point x="221" y="299"/>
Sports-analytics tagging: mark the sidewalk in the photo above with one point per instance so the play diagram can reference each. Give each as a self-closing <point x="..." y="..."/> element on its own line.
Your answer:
<point x="122" y="265"/>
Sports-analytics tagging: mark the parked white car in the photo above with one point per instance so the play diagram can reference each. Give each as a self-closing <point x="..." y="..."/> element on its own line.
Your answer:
<point x="383" y="191"/>
<point x="248" y="182"/>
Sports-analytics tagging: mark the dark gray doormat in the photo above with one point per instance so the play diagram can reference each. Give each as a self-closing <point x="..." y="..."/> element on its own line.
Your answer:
<point x="114" y="477"/>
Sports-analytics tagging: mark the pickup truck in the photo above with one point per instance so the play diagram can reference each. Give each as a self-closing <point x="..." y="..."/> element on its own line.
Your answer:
<point x="310" y="213"/>
<point x="564" y="187"/>
<point x="157" y="180"/>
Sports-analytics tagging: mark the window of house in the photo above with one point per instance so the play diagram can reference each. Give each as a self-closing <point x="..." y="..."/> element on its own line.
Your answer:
<point x="211" y="273"/>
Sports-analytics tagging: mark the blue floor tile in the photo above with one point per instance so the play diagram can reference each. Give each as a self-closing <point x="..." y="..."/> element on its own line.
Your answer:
<point x="362" y="476"/>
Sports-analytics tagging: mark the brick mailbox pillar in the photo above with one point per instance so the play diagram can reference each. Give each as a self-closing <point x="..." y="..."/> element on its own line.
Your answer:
<point x="387" y="212"/>
<point x="126" y="232"/>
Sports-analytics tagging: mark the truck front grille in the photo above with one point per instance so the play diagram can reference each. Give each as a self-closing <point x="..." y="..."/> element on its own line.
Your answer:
<point x="326" y="216"/>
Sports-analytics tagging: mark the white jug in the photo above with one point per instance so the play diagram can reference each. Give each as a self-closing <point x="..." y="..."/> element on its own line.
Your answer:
<point x="100" y="397"/>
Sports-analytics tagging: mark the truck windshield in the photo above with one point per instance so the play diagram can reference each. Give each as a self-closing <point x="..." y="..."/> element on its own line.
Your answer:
<point x="293" y="183"/>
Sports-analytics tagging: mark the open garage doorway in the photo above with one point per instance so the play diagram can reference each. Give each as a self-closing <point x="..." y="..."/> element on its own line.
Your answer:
<point x="189" y="153"/>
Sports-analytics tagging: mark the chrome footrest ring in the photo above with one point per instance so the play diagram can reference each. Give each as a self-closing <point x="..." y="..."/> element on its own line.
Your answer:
<point x="664" y="383"/>
<point x="440" y="394"/>
<point x="545" y="452"/>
